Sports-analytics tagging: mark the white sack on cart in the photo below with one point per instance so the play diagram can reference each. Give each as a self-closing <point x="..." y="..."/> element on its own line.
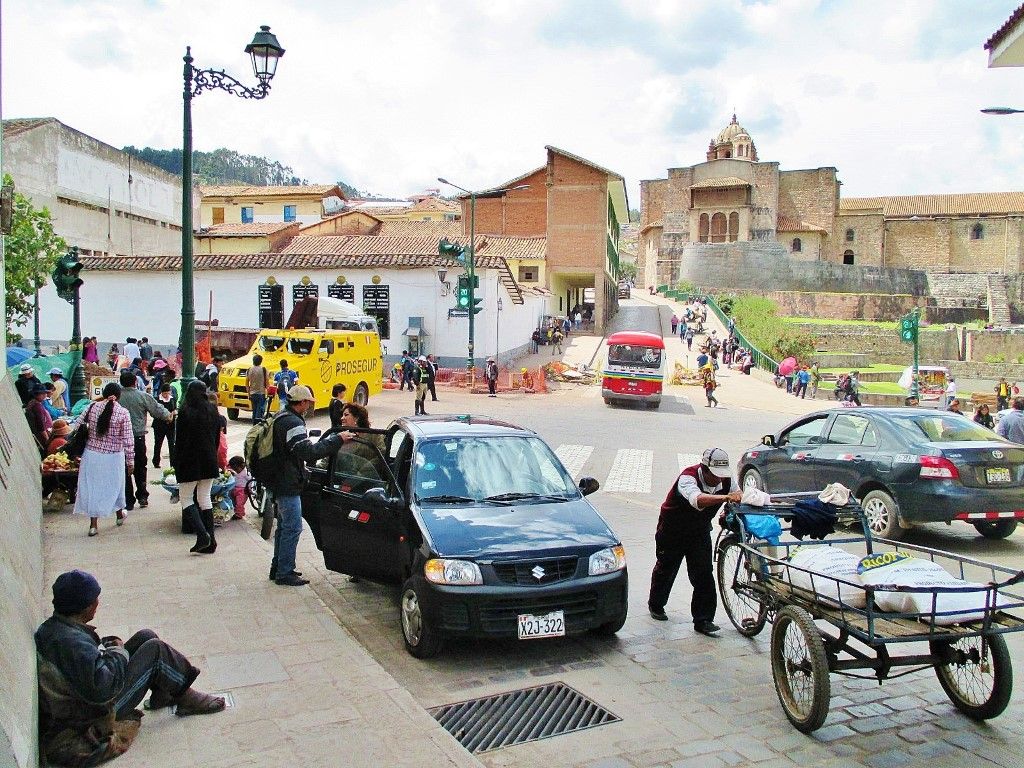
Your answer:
<point x="828" y="564"/>
<point x="900" y="569"/>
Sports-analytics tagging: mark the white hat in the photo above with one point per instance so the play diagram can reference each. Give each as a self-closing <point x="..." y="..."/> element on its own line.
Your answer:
<point x="56" y="371"/>
<point x="25" y="368"/>
<point x="300" y="393"/>
<point x="717" y="462"/>
<point x="421" y="359"/>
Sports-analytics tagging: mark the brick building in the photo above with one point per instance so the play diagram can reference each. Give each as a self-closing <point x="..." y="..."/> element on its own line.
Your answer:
<point x="576" y="206"/>
<point x="738" y="208"/>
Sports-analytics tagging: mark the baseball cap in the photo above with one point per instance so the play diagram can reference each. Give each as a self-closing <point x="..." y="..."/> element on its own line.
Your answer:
<point x="717" y="461"/>
<point x="57" y="371"/>
<point x="300" y="393"/>
<point x="25" y="368"/>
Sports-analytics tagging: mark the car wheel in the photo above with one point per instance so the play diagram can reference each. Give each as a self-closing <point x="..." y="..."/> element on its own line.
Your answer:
<point x="996" y="529"/>
<point x="233" y="414"/>
<point x="882" y="514"/>
<point x="362" y="395"/>
<point x="752" y="479"/>
<point x="421" y="639"/>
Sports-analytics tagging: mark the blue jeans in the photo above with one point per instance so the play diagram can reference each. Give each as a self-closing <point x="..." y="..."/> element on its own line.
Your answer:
<point x="286" y="539"/>
<point x="259" y="406"/>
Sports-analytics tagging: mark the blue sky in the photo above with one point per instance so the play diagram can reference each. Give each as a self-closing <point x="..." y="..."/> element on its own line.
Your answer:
<point x="391" y="94"/>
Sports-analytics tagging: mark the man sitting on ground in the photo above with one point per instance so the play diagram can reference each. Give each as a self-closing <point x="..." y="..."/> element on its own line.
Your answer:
<point x="89" y="687"/>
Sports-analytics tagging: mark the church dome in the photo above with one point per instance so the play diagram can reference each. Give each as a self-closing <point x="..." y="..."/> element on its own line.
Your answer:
<point x="731" y="132"/>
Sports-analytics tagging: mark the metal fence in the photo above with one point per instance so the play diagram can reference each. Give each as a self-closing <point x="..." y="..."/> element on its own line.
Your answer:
<point x="761" y="360"/>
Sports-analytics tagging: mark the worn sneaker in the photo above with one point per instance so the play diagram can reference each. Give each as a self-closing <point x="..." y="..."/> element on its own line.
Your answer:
<point x="708" y="628"/>
<point x="658" y="613"/>
<point x="291" y="580"/>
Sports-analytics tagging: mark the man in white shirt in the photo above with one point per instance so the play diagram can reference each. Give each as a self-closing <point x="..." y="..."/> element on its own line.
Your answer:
<point x="132" y="350"/>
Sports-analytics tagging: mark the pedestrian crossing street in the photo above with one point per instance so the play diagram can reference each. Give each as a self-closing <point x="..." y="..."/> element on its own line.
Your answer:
<point x="631" y="469"/>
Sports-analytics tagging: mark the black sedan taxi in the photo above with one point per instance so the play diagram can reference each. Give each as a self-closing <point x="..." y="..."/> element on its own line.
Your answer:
<point x="906" y="465"/>
<point x="479" y="522"/>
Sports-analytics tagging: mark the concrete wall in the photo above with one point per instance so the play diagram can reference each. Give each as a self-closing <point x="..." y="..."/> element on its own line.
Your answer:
<point x="21" y="582"/>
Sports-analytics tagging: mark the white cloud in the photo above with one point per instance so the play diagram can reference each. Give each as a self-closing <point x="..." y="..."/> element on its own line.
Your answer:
<point x="389" y="95"/>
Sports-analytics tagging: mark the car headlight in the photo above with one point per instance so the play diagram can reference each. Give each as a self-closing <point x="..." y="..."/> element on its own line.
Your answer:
<point x="460" y="573"/>
<point x="608" y="560"/>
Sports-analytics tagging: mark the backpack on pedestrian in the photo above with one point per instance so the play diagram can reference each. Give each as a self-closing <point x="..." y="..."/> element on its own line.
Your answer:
<point x="259" y="446"/>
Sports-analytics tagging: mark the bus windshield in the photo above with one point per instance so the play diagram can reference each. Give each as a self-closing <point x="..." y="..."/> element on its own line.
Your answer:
<point x="634" y="355"/>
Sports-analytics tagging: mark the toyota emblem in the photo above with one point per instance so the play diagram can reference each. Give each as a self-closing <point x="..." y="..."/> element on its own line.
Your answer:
<point x="538" y="572"/>
<point x="997" y="454"/>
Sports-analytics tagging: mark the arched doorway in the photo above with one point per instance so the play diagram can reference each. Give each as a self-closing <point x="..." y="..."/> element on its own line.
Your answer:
<point x="848" y="257"/>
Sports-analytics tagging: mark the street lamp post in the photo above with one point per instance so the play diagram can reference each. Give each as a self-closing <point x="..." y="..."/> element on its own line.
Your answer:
<point x="470" y="254"/>
<point x="265" y="52"/>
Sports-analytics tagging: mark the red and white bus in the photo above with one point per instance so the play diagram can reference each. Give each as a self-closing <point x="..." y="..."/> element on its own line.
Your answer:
<point x="635" y="370"/>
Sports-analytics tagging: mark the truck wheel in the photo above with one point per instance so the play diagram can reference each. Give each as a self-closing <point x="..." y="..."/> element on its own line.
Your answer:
<point x="362" y="395"/>
<point x="233" y="414"/>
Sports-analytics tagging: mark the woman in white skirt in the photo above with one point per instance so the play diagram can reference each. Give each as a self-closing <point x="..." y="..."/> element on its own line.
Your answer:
<point x="109" y="452"/>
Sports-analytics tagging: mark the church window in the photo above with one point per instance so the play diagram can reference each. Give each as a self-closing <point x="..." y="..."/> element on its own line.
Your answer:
<point x="849" y="235"/>
<point x="718" y="228"/>
<point x="703" y="228"/>
<point x="977" y="232"/>
<point x="797" y="245"/>
<point x="734" y="227"/>
<point x="848" y="257"/>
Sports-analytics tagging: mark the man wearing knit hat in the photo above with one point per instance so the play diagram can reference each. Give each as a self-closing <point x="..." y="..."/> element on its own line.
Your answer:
<point x="89" y="687"/>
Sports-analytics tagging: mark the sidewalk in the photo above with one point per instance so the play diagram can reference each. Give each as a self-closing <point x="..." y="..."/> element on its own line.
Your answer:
<point x="305" y="692"/>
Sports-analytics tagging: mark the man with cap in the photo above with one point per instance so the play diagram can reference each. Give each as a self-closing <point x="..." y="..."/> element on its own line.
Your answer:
<point x="25" y="382"/>
<point x="420" y="374"/>
<point x="287" y="474"/>
<point x="89" y="687"/>
<point x="684" y="531"/>
<point x="61" y="395"/>
<point x="491" y="374"/>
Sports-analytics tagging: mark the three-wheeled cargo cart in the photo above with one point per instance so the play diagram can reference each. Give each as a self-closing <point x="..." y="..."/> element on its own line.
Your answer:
<point x="816" y="630"/>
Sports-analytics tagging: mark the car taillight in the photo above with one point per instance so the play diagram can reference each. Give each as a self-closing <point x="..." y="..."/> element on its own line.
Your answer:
<point x="938" y="468"/>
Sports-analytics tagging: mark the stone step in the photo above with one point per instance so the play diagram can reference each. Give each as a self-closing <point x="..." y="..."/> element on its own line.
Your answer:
<point x="998" y="300"/>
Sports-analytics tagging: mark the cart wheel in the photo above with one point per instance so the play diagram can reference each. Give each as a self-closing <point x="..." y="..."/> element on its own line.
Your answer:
<point x="978" y="684"/>
<point x="800" y="669"/>
<point x="746" y="612"/>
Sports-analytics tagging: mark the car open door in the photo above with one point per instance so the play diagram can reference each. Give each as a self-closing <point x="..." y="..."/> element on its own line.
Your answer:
<point x="789" y="467"/>
<point x="359" y="537"/>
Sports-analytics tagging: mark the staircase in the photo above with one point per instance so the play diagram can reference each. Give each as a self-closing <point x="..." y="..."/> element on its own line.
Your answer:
<point x="958" y="290"/>
<point x="998" y="300"/>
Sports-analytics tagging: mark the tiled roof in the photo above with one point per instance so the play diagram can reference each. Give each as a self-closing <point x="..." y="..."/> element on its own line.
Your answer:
<point x="239" y="190"/>
<point x="337" y="216"/>
<point x="21" y="124"/>
<point x="435" y="229"/>
<point x="436" y="204"/>
<point x="966" y="204"/>
<point x="652" y="225"/>
<point x="787" y="224"/>
<point x="721" y="181"/>
<point x="1004" y="30"/>
<point x="245" y="230"/>
<point x="516" y="247"/>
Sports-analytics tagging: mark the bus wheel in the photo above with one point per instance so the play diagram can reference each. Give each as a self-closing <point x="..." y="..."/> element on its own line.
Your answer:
<point x="362" y="395"/>
<point x="233" y="414"/>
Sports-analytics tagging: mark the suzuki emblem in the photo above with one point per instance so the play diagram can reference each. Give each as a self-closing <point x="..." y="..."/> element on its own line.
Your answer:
<point x="997" y="454"/>
<point x="538" y="572"/>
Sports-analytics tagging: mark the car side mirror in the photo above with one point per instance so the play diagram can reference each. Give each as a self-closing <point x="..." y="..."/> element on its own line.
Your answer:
<point x="588" y="485"/>
<point x="378" y="500"/>
<point x="768" y="440"/>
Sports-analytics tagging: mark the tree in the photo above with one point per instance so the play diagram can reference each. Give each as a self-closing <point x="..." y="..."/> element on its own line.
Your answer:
<point x="30" y="252"/>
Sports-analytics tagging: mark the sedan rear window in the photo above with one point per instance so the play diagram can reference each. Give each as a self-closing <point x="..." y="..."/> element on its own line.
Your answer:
<point x="501" y="469"/>
<point x="941" y="428"/>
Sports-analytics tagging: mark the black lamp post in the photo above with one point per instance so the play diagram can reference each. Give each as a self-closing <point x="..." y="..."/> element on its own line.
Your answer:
<point x="265" y="52"/>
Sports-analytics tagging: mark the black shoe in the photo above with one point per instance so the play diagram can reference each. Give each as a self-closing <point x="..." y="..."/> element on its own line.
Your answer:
<point x="708" y="628"/>
<point x="273" y="574"/>
<point x="658" y="613"/>
<point x="144" y="503"/>
<point x="291" y="580"/>
<point x="129" y="509"/>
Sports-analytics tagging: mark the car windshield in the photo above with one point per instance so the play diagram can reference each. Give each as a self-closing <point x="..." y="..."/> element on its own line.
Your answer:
<point x="941" y="428"/>
<point x="462" y="470"/>
<point x="635" y="355"/>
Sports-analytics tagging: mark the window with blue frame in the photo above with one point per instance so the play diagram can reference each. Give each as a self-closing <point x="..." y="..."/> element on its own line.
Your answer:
<point x="247" y="214"/>
<point x="289" y="213"/>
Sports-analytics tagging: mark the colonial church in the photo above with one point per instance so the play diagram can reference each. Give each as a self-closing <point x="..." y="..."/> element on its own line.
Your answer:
<point x="734" y="205"/>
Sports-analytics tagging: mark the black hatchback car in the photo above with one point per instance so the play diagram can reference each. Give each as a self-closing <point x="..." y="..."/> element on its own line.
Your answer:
<point x="479" y="522"/>
<point x="906" y="465"/>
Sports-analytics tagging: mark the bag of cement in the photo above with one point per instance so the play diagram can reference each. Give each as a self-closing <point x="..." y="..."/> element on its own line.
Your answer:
<point x="898" y="569"/>
<point x="828" y="564"/>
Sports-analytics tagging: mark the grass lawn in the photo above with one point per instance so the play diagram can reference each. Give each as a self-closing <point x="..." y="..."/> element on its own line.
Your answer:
<point x="884" y="325"/>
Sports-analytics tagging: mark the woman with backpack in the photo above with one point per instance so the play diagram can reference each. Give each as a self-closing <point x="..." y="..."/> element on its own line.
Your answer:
<point x="194" y="458"/>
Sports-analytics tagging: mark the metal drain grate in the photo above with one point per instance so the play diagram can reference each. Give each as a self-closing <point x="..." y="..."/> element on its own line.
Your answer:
<point x="481" y="725"/>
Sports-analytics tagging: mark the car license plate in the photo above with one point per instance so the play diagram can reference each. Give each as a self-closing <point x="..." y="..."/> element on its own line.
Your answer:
<point x="549" y="625"/>
<point x="997" y="475"/>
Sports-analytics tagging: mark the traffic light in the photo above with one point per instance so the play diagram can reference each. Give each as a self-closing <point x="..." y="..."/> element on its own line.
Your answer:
<point x="908" y="327"/>
<point x="462" y="294"/>
<point x="476" y="305"/>
<point x="65" y="275"/>
<point x="451" y="250"/>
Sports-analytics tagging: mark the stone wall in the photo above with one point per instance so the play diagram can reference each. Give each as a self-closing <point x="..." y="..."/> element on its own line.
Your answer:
<point x="739" y="266"/>
<point x="982" y="345"/>
<point x="867" y="244"/>
<point x="970" y="370"/>
<point x="21" y="582"/>
<point x="883" y="345"/>
<point x="812" y="196"/>
<point x="946" y="245"/>
<point x="842" y="306"/>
